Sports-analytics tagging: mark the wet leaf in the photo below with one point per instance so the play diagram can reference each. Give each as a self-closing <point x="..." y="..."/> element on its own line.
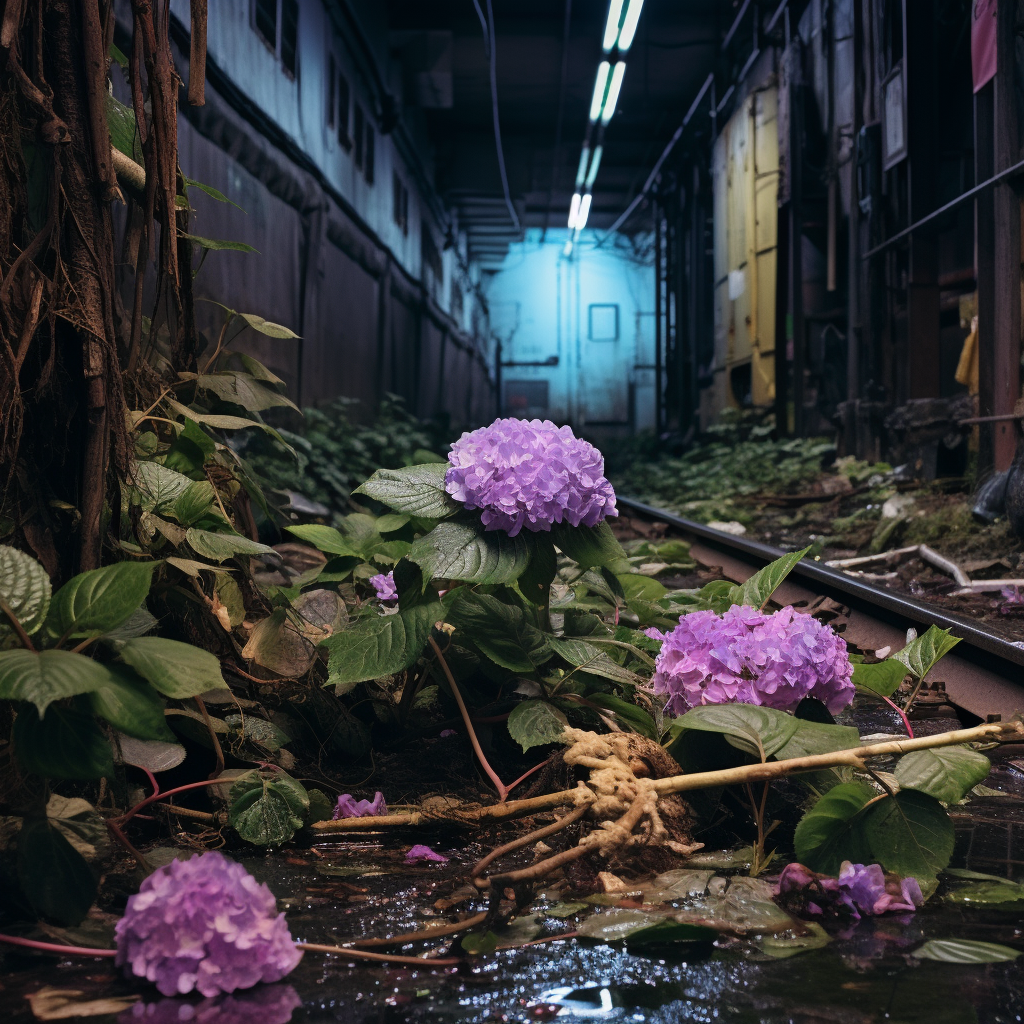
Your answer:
<point x="757" y="590"/>
<point x="669" y="932"/>
<point x="563" y="910"/>
<point x="466" y="552"/>
<point x="267" y="807"/>
<point x="156" y="487"/>
<point x="176" y="669"/>
<point x="64" y="744"/>
<point x="831" y="831"/>
<point x="54" y="876"/>
<point x="677" y="884"/>
<point x="989" y="893"/>
<point x="722" y="859"/>
<point x="480" y="943"/>
<point x="965" y="951"/>
<point x="417" y="490"/>
<point x="24" y="588"/>
<point x="221" y="546"/>
<point x="47" y="676"/>
<point x="946" y="773"/>
<point x="615" y="925"/>
<point x="93" y="602"/>
<point x="883" y="677"/>
<point x="787" y="944"/>
<point x="131" y="705"/>
<point x="910" y="833"/>
<point x="535" y="723"/>
<point x="920" y="655"/>
<point x="155" y="755"/>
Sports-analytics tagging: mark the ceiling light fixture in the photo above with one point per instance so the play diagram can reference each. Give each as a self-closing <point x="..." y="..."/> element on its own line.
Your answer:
<point x="594" y="165"/>
<point x="581" y="171"/>
<point x="613" y="92"/>
<point x="611" y="28"/>
<point x="574" y="209"/>
<point x="629" y="24"/>
<point x="600" y="86"/>
<point x="584" y="212"/>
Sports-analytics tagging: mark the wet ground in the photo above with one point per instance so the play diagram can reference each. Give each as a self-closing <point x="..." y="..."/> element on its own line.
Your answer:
<point x="341" y="891"/>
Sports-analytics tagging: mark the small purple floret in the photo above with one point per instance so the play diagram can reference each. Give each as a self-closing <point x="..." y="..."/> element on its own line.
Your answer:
<point x="419" y="852"/>
<point x="384" y="584"/>
<point x="204" y="923"/>
<point x="751" y="657"/>
<point x="529" y="474"/>
<point x="349" y="807"/>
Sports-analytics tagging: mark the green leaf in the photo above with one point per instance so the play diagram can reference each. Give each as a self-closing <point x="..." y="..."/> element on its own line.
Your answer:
<point x="267" y="806"/>
<point x="499" y="631"/>
<point x="24" y="588"/>
<point x="219" y="547"/>
<point x="464" y="551"/>
<point x="271" y="330"/>
<point x="995" y="892"/>
<point x="218" y="422"/>
<point x="99" y="600"/>
<point x="630" y="715"/>
<point x="790" y="944"/>
<point x="54" y="876"/>
<point x="535" y="582"/>
<point x="380" y="646"/>
<point x="64" y="744"/>
<point x="830" y="832"/>
<point x="392" y="523"/>
<point x="156" y="487"/>
<point x="176" y="669"/>
<point x="757" y="591"/>
<point x="591" y="659"/>
<point x="194" y="502"/>
<point x="417" y="490"/>
<point x="535" y="723"/>
<point x="121" y="123"/>
<point x="591" y="546"/>
<point x="256" y="369"/>
<point x="43" y="678"/>
<point x="946" y="773"/>
<point x="242" y="389"/>
<point x="909" y="833"/>
<point x="480" y="943"/>
<point x="666" y="932"/>
<point x="212" y="192"/>
<point x="190" y="450"/>
<point x="818" y="738"/>
<point x="642" y="927"/>
<point x="965" y="951"/>
<point x="755" y="730"/>
<point x="883" y="677"/>
<point x="920" y="655"/>
<point x="117" y="56"/>
<point x="321" y="806"/>
<point x="131" y="705"/>
<point x="637" y="587"/>
<point x="323" y="538"/>
<point x="217" y="243"/>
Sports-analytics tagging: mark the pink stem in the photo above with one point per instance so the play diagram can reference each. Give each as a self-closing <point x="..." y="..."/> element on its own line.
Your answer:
<point x="152" y="781"/>
<point x="901" y="713"/>
<point x="126" y="817"/>
<point x="525" y="775"/>
<point x="50" y="947"/>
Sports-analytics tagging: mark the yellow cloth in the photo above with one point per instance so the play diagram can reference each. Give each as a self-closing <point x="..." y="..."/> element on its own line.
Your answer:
<point x="967" y="367"/>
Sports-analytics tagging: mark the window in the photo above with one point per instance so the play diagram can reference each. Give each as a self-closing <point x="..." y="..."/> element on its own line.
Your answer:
<point x="400" y="203"/>
<point x="358" y="130"/>
<point x="369" y="154"/>
<point x="337" y="101"/>
<point x="277" y="23"/>
<point x="604" y="322"/>
<point x="344" y="103"/>
<point x="332" y="90"/>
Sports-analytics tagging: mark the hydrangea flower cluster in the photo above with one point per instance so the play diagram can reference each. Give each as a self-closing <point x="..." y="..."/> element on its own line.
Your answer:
<point x="384" y="584"/>
<point x="529" y="473"/>
<point x="204" y="923"/>
<point x="860" y="889"/>
<point x="349" y="807"/>
<point x="419" y="852"/>
<point x="749" y="657"/>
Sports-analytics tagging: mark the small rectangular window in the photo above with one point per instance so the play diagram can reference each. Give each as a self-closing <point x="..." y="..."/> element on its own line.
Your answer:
<point x="369" y="156"/>
<point x="358" y="132"/>
<point x="265" y="20"/>
<point x="332" y="90"/>
<point x="344" y="102"/>
<point x="290" y="35"/>
<point x="604" y="322"/>
<point x="400" y="203"/>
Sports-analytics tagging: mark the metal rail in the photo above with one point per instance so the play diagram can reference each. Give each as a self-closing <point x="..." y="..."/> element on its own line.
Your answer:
<point x="978" y="645"/>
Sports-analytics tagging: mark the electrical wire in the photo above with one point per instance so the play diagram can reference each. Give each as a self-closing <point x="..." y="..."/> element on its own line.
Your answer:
<point x="487" y="24"/>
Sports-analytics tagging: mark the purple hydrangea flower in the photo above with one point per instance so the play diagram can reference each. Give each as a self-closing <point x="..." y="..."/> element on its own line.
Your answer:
<point x="859" y="890"/>
<point x="273" y="1004"/>
<point x="419" y="852"/>
<point x="384" y="584"/>
<point x="529" y="473"/>
<point x="349" y="807"/>
<point x="750" y="657"/>
<point x="204" y="923"/>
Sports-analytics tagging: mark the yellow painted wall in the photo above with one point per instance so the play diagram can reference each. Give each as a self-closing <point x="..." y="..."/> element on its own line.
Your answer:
<point x="745" y="167"/>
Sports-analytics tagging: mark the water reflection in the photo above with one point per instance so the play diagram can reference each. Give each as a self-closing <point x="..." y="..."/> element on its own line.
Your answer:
<point x="264" y="1004"/>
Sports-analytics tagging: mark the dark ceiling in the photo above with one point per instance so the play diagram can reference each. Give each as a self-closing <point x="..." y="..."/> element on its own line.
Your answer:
<point x="675" y="48"/>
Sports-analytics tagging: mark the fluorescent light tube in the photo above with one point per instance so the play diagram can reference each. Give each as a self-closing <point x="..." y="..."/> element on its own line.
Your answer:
<point x="611" y="28"/>
<point x="600" y="83"/>
<point x="574" y="210"/>
<point x="594" y="165"/>
<point x="567" y="250"/>
<point x="613" y="91"/>
<point x="581" y="171"/>
<point x="584" y="212"/>
<point x="629" y="24"/>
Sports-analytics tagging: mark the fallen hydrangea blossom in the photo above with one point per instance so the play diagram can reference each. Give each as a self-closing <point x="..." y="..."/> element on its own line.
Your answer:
<point x="384" y="584"/>
<point x="420" y="852"/>
<point x="349" y="807"/>
<point x="751" y="657"/>
<point x="529" y="473"/>
<point x="860" y="889"/>
<point x="272" y="1004"/>
<point x="204" y="923"/>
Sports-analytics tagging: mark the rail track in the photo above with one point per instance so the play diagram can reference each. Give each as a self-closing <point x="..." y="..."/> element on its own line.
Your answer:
<point x="985" y="673"/>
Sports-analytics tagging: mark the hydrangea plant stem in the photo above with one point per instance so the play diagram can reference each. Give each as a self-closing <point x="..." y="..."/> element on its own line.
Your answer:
<point x="52" y="947"/>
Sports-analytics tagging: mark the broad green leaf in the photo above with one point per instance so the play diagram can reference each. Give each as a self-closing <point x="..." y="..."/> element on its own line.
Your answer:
<point x="324" y="538"/>
<point x="379" y="646"/>
<point x="99" y="600"/>
<point x="992" y="893"/>
<point x="212" y="192"/>
<point x="920" y="655"/>
<point x="479" y="943"/>
<point x="174" y="668"/>
<point x="591" y="546"/>
<point x="392" y="523"/>
<point x="499" y="631"/>
<point x="562" y="910"/>
<point x="217" y="244"/>
<point x="965" y="951"/>
<point x="131" y="705"/>
<point x="946" y="773"/>
<point x="24" y="588"/>
<point x="818" y="738"/>
<point x="666" y="932"/>
<point x="267" y="807"/>
<point x="589" y="658"/>
<point x="464" y="551"/>
<point x="321" y="806"/>
<point x="637" y="587"/>
<point x="81" y="825"/>
<point x="629" y="714"/>
<point x="156" y="487"/>
<point x="194" y="502"/>
<point x="883" y="677"/>
<point x="121" y="123"/>
<point x="832" y="830"/>
<point x="909" y="833"/>
<point x="718" y="596"/>
<point x="417" y="490"/>
<point x="755" y="730"/>
<point x="216" y="421"/>
<point x="256" y="369"/>
<point x="241" y="389"/>
<point x="139" y="623"/>
<point x="54" y="876"/>
<point x="64" y="744"/>
<point x="792" y="943"/>
<point x="190" y="449"/>
<point x="271" y="330"/>
<point x="757" y="591"/>
<point x="221" y="546"/>
<point x="535" y="723"/>
<point x="47" y="676"/>
<point x="535" y="582"/>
